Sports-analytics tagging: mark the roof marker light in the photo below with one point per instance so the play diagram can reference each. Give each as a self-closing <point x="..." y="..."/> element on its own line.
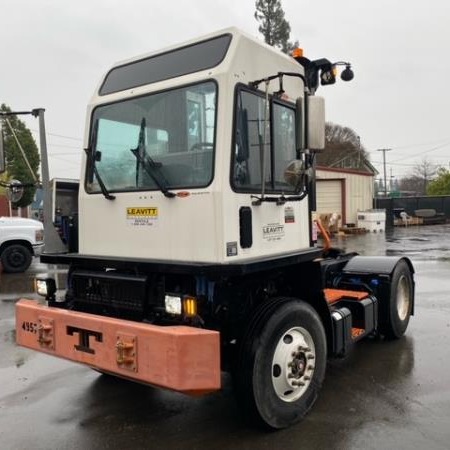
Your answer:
<point x="297" y="52"/>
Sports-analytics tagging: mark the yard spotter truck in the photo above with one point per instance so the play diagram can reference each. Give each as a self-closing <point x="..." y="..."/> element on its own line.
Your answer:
<point x="197" y="250"/>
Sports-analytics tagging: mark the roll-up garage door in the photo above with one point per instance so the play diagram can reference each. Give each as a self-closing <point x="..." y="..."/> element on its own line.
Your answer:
<point x="329" y="197"/>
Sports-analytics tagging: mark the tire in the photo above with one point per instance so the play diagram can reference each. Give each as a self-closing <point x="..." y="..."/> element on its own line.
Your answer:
<point x="282" y="364"/>
<point x="400" y="302"/>
<point x="16" y="258"/>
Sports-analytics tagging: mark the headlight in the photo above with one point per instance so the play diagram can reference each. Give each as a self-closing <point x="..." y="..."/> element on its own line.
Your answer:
<point x="39" y="235"/>
<point x="177" y="304"/>
<point x="172" y="304"/>
<point x="45" y="286"/>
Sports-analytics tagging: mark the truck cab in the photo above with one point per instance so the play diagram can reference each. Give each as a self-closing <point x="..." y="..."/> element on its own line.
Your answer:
<point x="181" y="151"/>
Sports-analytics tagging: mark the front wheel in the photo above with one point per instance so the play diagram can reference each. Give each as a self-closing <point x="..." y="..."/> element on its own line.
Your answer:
<point x="283" y="364"/>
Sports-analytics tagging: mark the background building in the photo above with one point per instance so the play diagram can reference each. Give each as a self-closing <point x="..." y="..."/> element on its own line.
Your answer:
<point x="345" y="191"/>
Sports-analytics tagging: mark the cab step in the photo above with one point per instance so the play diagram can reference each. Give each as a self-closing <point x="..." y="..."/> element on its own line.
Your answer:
<point x="354" y="315"/>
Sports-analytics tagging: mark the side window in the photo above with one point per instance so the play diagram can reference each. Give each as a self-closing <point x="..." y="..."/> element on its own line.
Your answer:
<point x="283" y="126"/>
<point x="251" y="142"/>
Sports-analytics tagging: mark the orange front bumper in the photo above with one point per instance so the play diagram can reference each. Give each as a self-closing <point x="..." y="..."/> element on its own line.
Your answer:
<point x="181" y="358"/>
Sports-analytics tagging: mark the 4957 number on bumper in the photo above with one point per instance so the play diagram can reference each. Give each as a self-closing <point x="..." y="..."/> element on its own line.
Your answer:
<point x="181" y="358"/>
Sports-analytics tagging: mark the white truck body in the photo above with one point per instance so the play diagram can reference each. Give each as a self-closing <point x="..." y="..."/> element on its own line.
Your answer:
<point x="20" y="240"/>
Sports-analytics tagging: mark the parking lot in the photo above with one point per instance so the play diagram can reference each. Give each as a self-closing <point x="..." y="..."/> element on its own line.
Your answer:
<point x="384" y="395"/>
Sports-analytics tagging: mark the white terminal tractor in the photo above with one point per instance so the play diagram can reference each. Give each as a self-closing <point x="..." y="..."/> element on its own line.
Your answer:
<point x="196" y="242"/>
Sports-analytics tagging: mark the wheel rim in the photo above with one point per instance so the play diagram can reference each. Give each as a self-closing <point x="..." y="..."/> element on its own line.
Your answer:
<point x="16" y="258"/>
<point x="293" y="364"/>
<point x="403" y="298"/>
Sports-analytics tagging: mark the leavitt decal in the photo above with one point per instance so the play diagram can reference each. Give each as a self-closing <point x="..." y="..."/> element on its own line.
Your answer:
<point x="138" y="216"/>
<point x="273" y="232"/>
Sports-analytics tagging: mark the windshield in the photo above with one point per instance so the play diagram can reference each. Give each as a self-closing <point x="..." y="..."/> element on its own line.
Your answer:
<point x="161" y="141"/>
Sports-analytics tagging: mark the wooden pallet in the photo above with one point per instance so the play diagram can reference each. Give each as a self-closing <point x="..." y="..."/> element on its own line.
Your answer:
<point x="410" y="221"/>
<point x="352" y="230"/>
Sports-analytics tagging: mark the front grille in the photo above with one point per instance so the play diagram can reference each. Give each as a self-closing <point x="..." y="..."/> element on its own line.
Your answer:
<point x="108" y="291"/>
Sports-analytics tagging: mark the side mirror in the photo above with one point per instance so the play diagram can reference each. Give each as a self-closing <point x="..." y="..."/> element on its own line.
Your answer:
<point x="316" y="123"/>
<point x="299" y="125"/>
<point x="15" y="191"/>
<point x="295" y="173"/>
<point x="313" y="138"/>
<point x="2" y="151"/>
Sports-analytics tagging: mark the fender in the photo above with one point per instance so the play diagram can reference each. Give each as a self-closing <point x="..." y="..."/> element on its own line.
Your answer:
<point x="375" y="272"/>
<point x="381" y="265"/>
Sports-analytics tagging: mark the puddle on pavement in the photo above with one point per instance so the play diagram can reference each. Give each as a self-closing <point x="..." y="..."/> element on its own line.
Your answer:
<point x="419" y="243"/>
<point x="16" y="283"/>
<point x="23" y="283"/>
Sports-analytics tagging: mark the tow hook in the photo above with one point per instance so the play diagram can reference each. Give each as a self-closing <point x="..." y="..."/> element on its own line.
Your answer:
<point x="45" y="333"/>
<point x="126" y="352"/>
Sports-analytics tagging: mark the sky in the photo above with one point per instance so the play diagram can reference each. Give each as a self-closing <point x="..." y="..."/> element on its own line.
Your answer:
<point x="54" y="53"/>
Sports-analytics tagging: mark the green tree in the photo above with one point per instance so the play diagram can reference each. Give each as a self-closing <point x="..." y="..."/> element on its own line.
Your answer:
<point x="441" y="184"/>
<point x="273" y="25"/>
<point x="16" y="166"/>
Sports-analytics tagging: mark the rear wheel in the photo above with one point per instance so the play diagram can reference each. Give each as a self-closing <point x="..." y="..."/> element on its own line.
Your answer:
<point x="400" y="301"/>
<point x="283" y="363"/>
<point x="16" y="258"/>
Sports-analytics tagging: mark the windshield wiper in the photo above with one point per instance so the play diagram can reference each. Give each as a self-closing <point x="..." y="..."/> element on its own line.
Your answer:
<point x="91" y="153"/>
<point x="149" y="164"/>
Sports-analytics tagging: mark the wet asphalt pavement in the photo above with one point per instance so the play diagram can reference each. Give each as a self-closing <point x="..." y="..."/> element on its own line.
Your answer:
<point x="385" y="395"/>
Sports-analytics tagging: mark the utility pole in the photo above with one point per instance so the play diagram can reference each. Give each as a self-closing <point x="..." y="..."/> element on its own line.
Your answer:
<point x="384" y="150"/>
<point x="52" y="240"/>
<point x="359" y="152"/>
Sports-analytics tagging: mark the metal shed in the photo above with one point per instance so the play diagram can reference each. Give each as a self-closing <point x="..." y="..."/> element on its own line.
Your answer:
<point x="344" y="191"/>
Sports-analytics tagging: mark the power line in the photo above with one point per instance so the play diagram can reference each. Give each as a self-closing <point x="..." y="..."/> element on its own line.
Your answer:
<point x="425" y="151"/>
<point x="59" y="135"/>
<point x="65" y="160"/>
<point x="67" y="154"/>
<point x="64" y="146"/>
<point x="404" y="164"/>
<point x="445" y="144"/>
<point x="405" y="147"/>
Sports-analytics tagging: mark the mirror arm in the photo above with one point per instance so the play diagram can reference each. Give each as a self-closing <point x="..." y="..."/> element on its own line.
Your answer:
<point x="279" y="200"/>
